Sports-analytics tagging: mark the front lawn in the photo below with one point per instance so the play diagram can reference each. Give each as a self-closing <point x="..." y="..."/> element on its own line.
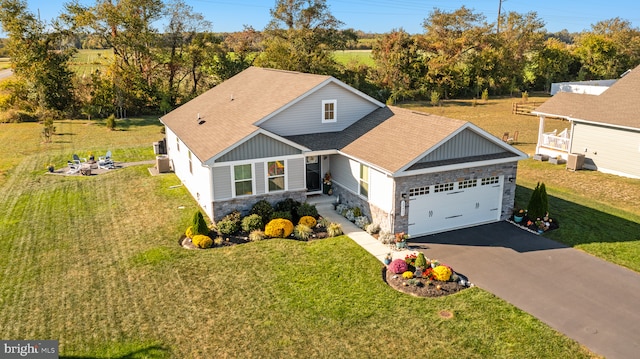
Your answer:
<point x="94" y="262"/>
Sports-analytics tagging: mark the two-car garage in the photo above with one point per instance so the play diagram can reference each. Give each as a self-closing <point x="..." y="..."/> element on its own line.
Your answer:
<point x="447" y="206"/>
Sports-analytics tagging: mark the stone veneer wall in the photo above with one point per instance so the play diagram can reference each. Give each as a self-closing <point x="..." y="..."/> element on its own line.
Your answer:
<point x="403" y="184"/>
<point x="375" y="214"/>
<point x="244" y="204"/>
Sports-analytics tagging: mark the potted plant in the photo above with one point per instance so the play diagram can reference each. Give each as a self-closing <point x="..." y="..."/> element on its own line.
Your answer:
<point x="401" y="240"/>
<point x="326" y="184"/>
<point x="388" y="259"/>
<point x="518" y="215"/>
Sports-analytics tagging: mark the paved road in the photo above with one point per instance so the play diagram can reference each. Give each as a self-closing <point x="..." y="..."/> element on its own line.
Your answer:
<point x="590" y="300"/>
<point x="5" y="73"/>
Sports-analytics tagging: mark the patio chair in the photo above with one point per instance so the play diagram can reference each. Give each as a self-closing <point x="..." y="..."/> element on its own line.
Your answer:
<point x="514" y="139"/>
<point x="76" y="158"/>
<point x="106" y="162"/>
<point x="74" y="167"/>
<point x="505" y="137"/>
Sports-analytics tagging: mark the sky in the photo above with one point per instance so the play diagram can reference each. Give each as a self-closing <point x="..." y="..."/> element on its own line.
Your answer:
<point x="381" y="16"/>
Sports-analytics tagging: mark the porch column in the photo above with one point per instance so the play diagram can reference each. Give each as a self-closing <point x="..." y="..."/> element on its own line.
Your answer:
<point x="540" y="133"/>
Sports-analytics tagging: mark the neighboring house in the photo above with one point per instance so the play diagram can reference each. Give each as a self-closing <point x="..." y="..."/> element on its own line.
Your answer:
<point x="604" y="128"/>
<point x="272" y="134"/>
<point x="592" y="87"/>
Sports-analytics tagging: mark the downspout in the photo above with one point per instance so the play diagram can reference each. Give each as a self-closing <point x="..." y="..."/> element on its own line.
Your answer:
<point x="573" y="125"/>
<point x="540" y="133"/>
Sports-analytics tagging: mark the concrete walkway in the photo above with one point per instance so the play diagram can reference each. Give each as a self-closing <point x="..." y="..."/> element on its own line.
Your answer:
<point x="590" y="300"/>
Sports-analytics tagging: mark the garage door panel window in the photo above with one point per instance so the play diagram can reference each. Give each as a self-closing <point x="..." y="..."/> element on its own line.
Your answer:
<point x="467" y="184"/>
<point x="444" y="187"/>
<point x="490" y="180"/>
<point x="418" y="191"/>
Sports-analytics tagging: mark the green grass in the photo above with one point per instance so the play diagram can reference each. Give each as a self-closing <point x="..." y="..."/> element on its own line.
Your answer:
<point x="94" y="262"/>
<point x="86" y="62"/>
<point x="5" y="63"/>
<point x="597" y="212"/>
<point x="354" y="56"/>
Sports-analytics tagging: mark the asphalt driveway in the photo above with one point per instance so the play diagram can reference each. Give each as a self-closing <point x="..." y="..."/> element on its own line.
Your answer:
<point x="588" y="299"/>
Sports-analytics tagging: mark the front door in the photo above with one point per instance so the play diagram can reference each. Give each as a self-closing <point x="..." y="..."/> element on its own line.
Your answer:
<point x="314" y="180"/>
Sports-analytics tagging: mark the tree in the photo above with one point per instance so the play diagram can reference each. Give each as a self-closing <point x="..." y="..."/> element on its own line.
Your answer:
<point x="553" y="63"/>
<point x="38" y="60"/>
<point x="302" y="36"/>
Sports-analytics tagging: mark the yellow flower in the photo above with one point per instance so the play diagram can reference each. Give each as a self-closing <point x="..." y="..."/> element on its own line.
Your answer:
<point x="407" y="275"/>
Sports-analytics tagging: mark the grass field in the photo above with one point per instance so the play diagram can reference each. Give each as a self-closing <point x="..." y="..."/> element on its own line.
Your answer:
<point x="94" y="262"/>
<point x="356" y="56"/>
<point x="87" y="61"/>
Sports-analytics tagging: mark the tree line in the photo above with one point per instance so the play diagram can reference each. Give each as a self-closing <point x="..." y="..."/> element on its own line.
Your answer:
<point x="153" y="70"/>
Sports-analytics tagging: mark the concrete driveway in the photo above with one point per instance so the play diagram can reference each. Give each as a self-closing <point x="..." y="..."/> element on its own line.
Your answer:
<point x="588" y="299"/>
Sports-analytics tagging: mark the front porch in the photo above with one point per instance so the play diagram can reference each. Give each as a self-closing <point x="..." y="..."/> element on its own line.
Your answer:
<point x="553" y="144"/>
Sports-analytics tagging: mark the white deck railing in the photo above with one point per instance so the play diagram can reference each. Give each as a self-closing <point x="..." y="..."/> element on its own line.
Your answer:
<point x="551" y="140"/>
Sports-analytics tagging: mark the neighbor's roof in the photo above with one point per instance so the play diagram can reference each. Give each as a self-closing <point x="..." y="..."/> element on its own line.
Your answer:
<point x="230" y="109"/>
<point x="618" y="105"/>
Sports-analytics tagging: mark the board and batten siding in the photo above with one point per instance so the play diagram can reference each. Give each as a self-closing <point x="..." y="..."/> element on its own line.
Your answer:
<point x="607" y="149"/>
<point x="222" y="183"/>
<point x="295" y="171"/>
<point x="464" y="144"/>
<point x="259" y="146"/>
<point x="305" y="116"/>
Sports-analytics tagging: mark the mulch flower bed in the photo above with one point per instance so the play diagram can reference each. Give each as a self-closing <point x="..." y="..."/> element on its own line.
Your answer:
<point x="535" y="225"/>
<point x="426" y="288"/>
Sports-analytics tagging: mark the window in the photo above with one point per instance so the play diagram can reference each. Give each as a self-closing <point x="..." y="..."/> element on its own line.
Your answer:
<point x="329" y="113"/>
<point x="418" y="191"/>
<point x="275" y="175"/>
<point x="178" y="144"/>
<point x="443" y="187"/>
<point x="364" y="181"/>
<point x="490" y="180"/>
<point x="243" y="180"/>
<point x="190" y="165"/>
<point x="467" y="184"/>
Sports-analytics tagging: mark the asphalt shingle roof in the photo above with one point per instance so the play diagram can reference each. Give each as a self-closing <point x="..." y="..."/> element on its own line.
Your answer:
<point x="619" y="105"/>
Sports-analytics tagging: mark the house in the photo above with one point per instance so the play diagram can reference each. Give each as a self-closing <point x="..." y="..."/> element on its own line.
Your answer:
<point x="272" y="134"/>
<point x="603" y="128"/>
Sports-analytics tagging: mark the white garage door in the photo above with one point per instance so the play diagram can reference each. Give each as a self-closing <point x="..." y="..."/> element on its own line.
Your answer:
<point x="452" y="205"/>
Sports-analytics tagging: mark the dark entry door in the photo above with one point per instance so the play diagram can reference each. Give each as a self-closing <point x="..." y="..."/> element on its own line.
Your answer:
<point x="314" y="181"/>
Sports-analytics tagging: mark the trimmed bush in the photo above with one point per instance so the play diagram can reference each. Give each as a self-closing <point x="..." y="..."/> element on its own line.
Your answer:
<point x="256" y="235"/>
<point x="218" y="241"/>
<point x="189" y="232"/>
<point x="373" y="228"/>
<point x="334" y="229"/>
<point x="350" y="215"/>
<point x="398" y="266"/>
<point x="288" y="205"/>
<point x="362" y="222"/>
<point x="198" y="224"/>
<point x="538" y="205"/>
<point x="302" y="232"/>
<point x="282" y="214"/>
<point x="421" y="261"/>
<point x="442" y="273"/>
<point x="202" y="241"/>
<point x="227" y="227"/>
<point x="263" y="209"/>
<point x="308" y="221"/>
<point x="251" y="222"/>
<point x="323" y="222"/>
<point x="357" y="212"/>
<point x="307" y="209"/>
<point x="279" y="228"/>
<point x="386" y="237"/>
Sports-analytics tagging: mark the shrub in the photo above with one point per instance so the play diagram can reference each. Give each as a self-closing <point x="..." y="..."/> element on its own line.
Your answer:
<point x="302" y="232"/>
<point x="442" y="273"/>
<point x="334" y="229"/>
<point x="256" y="235"/>
<point x="538" y="203"/>
<point x="435" y="98"/>
<point x="189" y="232"/>
<point x="263" y="209"/>
<point x="198" y="224"/>
<point x="407" y="275"/>
<point x="288" y="205"/>
<point x="282" y="214"/>
<point x="485" y="95"/>
<point x="350" y="215"/>
<point x="227" y="226"/>
<point x="218" y="241"/>
<point x="398" y="266"/>
<point x="386" y="237"/>
<point x="307" y="209"/>
<point x="362" y="222"/>
<point x="421" y="261"/>
<point x="111" y="122"/>
<point x="308" y="221"/>
<point x="251" y="222"/>
<point x="279" y="228"/>
<point x="373" y="228"/>
<point x="357" y="211"/>
<point x="202" y="241"/>
<point x="342" y="209"/>
<point x="323" y="222"/>
<point x="233" y="216"/>
<point x="525" y="96"/>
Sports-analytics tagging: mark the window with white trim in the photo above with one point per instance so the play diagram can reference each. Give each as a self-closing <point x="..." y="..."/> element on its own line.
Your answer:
<point x="178" y="144"/>
<point x="190" y="165"/>
<point x="243" y="180"/>
<point x="364" y="181"/>
<point x="275" y="175"/>
<point x="329" y="111"/>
